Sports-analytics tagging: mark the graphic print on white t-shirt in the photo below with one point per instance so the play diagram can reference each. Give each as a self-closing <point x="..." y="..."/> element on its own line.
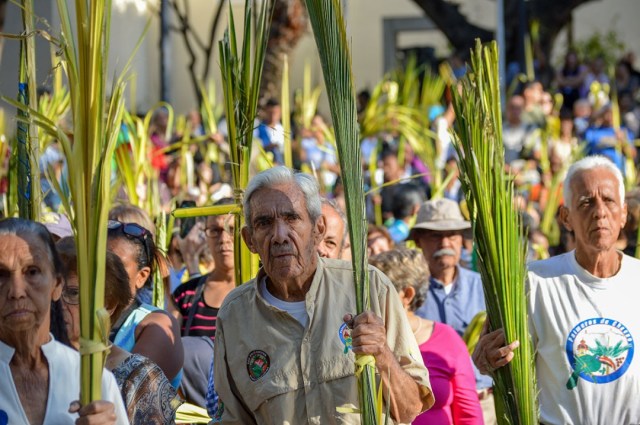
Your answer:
<point x="599" y="350"/>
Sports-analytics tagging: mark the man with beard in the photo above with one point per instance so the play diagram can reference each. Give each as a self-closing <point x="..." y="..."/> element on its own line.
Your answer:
<point x="455" y="293"/>
<point x="286" y="341"/>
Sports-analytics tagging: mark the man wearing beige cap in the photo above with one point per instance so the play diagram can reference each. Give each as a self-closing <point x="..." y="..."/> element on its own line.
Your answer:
<point x="455" y="293"/>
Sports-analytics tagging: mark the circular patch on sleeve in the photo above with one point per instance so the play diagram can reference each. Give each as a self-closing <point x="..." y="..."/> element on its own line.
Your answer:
<point x="258" y="364"/>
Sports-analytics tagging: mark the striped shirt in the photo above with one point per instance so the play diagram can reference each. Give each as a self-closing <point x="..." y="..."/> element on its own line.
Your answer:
<point x="204" y="318"/>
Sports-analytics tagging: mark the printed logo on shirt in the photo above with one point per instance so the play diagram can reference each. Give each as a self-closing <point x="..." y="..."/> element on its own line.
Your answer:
<point x="4" y="418"/>
<point x="345" y="336"/>
<point x="599" y="350"/>
<point x="258" y="364"/>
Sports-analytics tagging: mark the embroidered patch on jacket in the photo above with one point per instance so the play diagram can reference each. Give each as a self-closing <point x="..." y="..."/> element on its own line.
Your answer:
<point x="4" y="418"/>
<point x="599" y="350"/>
<point x="219" y="411"/>
<point x="345" y="336"/>
<point x="258" y="363"/>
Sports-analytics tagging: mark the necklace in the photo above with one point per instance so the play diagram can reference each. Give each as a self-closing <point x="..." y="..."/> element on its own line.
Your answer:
<point x="417" y="330"/>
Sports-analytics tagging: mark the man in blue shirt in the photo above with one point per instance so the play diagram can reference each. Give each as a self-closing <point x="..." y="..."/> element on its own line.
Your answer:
<point x="603" y="139"/>
<point x="455" y="293"/>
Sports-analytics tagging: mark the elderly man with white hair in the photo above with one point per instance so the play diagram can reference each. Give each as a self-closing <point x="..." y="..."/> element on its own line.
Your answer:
<point x="286" y="341"/>
<point x="582" y="313"/>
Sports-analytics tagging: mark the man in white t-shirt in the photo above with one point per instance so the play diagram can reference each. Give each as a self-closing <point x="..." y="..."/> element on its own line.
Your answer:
<point x="582" y="314"/>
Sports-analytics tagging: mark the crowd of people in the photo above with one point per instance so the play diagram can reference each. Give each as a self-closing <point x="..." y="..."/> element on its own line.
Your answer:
<point x="281" y="348"/>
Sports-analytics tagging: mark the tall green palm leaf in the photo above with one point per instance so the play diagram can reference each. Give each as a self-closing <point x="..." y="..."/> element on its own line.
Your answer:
<point x="285" y="101"/>
<point x="241" y="75"/>
<point x="331" y="40"/>
<point x="28" y="171"/>
<point x="497" y="228"/>
<point x="96" y="124"/>
<point x="306" y="100"/>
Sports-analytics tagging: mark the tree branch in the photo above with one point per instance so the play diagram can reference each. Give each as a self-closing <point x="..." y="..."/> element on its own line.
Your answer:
<point x="184" y="30"/>
<point x="212" y="34"/>
<point x="453" y="24"/>
<point x="183" y="17"/>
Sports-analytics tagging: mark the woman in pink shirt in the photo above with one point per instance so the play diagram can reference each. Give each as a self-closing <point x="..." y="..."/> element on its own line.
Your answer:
<point x="443" y="351"/>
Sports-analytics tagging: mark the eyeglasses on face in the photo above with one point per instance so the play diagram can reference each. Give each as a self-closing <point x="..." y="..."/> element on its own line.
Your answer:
<point x="71" y="295"/>
<point x="216" y="232"/>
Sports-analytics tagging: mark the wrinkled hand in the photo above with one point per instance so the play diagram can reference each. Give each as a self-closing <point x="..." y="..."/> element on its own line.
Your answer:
<point x="491" y="352"/>
<point x="368" y="335"/>
<point x="95" y="413"/>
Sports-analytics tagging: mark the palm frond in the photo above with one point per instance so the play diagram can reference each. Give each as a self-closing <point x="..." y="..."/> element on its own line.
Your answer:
<point x="285" y="101"/>
<point x="306" y="100"/>
<point x="29" y="194"/>
<point x="497" y="228"/>
<point x="96" y="125"/>
<point x="241" y="74"/>
<point x="331" y="40"/>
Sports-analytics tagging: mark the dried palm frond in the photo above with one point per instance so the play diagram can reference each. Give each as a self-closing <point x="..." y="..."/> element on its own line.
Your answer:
<point x="386" y="113"/>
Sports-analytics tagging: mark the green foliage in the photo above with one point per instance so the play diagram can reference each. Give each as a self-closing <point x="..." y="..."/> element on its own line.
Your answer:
<point x="331" y="40"/>
<point x="497" y="228"/>
<point x="241" y="74"/>
<point x="306" y="100"/>
<point x="28" y="171"/>
<point x="96" y="125"/>
<point x="601" y="44"/>
<point x="472" y="333"/>
<point x="399" y="105"/>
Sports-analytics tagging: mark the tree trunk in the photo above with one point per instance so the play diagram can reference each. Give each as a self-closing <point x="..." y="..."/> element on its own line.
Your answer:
<point x="288" y="25"/>
<point x="553" y="15"/>
<point x="454" y="25"/>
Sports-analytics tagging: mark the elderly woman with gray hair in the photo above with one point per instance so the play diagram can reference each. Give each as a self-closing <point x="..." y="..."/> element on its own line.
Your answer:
<point x="443" y="351"/>
<point x="39" y="375"/>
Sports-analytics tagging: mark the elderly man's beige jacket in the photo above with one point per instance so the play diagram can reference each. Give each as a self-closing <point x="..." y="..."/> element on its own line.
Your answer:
<point x="269" y="370"/>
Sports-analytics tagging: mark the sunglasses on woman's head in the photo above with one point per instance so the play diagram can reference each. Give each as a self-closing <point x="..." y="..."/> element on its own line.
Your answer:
<point x="129" y="229"/>
<point x="132" y="230"/>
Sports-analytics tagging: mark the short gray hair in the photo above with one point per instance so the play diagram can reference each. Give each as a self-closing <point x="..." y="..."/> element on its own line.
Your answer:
<point x="333" y="204"/>
<point x="284" y="175"/>
<point x="590" y="163"/>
